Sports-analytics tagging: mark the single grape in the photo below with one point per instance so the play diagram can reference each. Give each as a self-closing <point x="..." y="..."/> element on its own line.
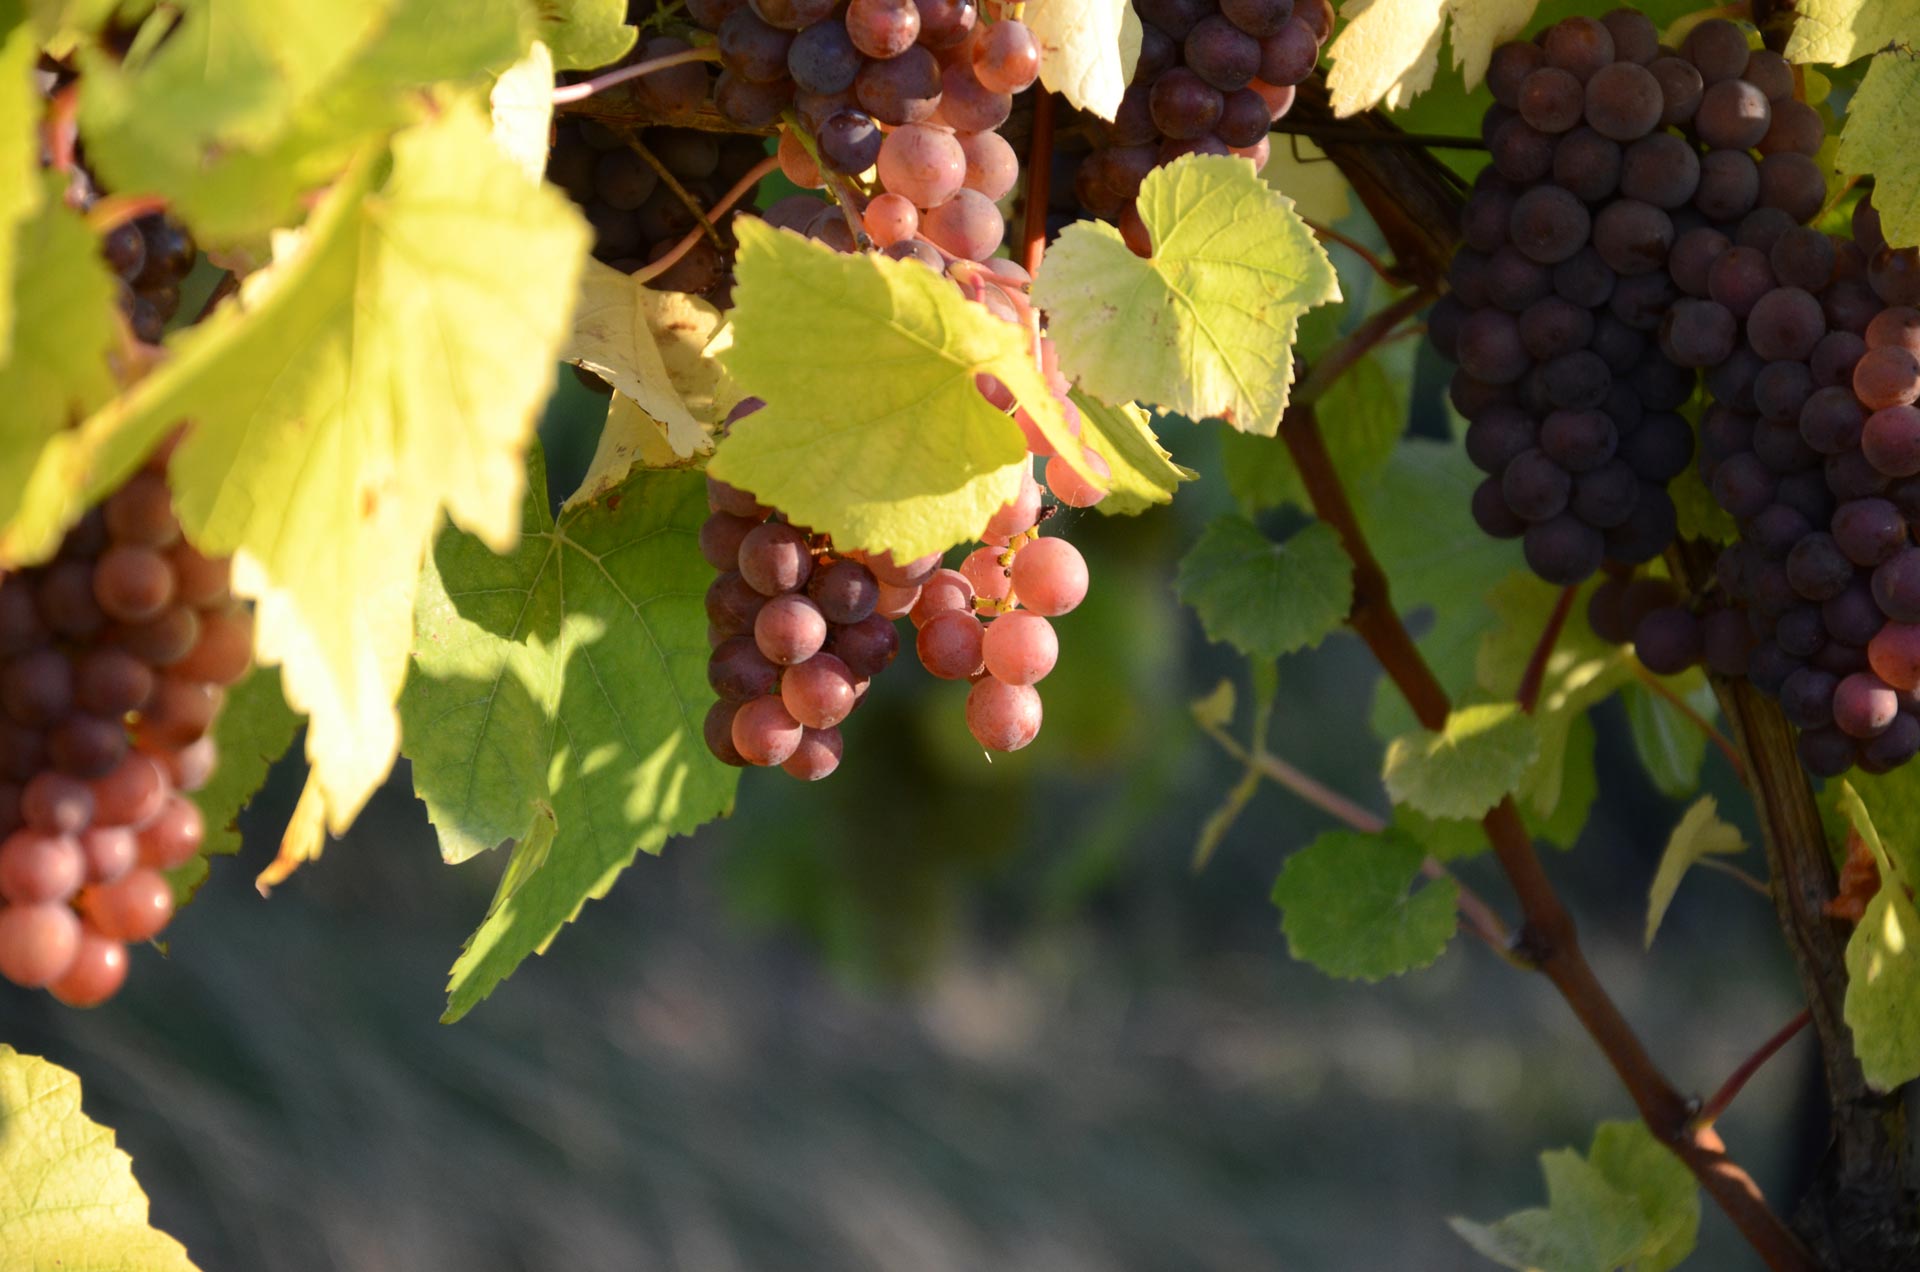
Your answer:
<point x="1668" y="640"/>
<point x="1003" y="717"/>
<point x="95" y="973"/>
<point x="968" y="106"/>
<point x="923" y="164"/>
<point x="850" y="143"/>
<point x="866" y="647"/>
<point x="1185" y="106"/>
<point x="173" y="837"/>
<point x="967" y="225"/>
<point x="1563" y="549"/>
<point x="992" y="167"/>
<point x="1886" y="377"/>
<point x="142" y="512"/>
<point x="773" y="559"/>
<point x="819" y="692"/>
<point x="220" y="654"/>
<point x="883" y="28"/>
<point x="1020" y="648"/>
<point x="36" y="867"/>
<point x="1070" y="488"/>
<point x="950" y="645"/>
<point x="823" y="59"/>
<point x="983" y="571"/>
<point x="110" y="852"/>
<point x="764" y="734"/>
<point x="948" y="591"/>
<point x="845" y="591"/>
<point x="738" y="671"/>
<point x="817" y="755"/>
<point x="1006" y="57"/>
<point x="1718" y="48"/>
<point x="38" y="943"/>
<point x="1896" y="586"/>
<point x="134" y="907"/>
<point x="1681" y="89"/>
<point x="1864" y="705"/>
<point x="789" y="629"/>
<point x="1049" y="576"/>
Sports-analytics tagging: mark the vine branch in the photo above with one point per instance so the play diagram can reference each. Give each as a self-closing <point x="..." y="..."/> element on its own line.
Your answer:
<point x="1547" y="930"/>
<point x="1737" y="1080"/>
<point x="1033" y="212"/>
<point x="570" y="93"/>
<point x="1530" y="680"/>
<point x="739" y="190"/>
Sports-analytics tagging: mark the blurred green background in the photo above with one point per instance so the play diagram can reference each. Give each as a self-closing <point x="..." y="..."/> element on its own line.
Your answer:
<point x="933" y="1013"/>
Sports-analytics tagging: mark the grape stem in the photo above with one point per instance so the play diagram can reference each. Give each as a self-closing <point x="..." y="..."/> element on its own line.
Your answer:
<point x="1737" y="1080"/>
<point x="1476" y="916"/>
<point x="1314" y="131"/>
<point x="1530" y="680"/>
<point x="1327" y="234"/>
<point x="1659" y="686"/>
<point x="740" y="188"/>
<point x="672" y="183"/>
<point x="1547" y="933"/>
<point x="1033" y="230"/>
<point x="570" y="93"/>
<point x="1364" y="339"/>
<point x="115" y="210"/>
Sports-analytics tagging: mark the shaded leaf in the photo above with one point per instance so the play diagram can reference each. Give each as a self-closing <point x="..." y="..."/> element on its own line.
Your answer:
<point x="1882" y="1007"/>
<point x="1355" y="907"/>
<point x="1464" y="770"/>
<point x="1700" y="834"/>
<point x="1266" y="598"/>
<point x="254" y="730"/>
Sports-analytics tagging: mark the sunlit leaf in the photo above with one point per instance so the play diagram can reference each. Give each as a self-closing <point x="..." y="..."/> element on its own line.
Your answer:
<point x="1141" y="473"/>
<point x="1699" y="835"/>
<point x="1882" y="139"/>
<point x="1838" y="31"/>
<point x="1464" y="770"/>
<point x="1883" y="966"/>
<point x="522" y="104"/>
<point x="585" y="34"/>
<point x="1388" y="51"/>
<point x="1088" y="49"/>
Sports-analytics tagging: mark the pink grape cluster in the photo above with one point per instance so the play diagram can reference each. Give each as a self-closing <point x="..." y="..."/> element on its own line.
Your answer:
<point x="114" y="659"/>
<point x="798" y="629"/>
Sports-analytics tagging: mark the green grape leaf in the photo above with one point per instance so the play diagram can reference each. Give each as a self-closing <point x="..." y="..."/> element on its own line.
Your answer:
<point x="1443" y="838"/>
<point x="58" y="371"/>
<point x="1389" y="50"/>
<point x="1266" y="598"/>
<point x="387" y="368"/>
<point x="290" y="103"/>
<point x="1892" y="802"/>
<point x="1088" y="49"/>
<point x="1205" y="327"/>
<point x="68" y="1198"/>
<point x="1350" y="906"/>
<point x="1462" y="771"/>
<point x="522" y="106"/>
<point x="1556" y="798"/>
<point x="1362" y="415"/>
<point x="557" y="699"/>
<point x="1700" y="834"/>
<point x="1671" y="748"/>
<point x="1839" y="31"/>
<point x="255" y="728"/>
<point x="1882" y="138"/>
<point x="1141" y="473"/>
<point x="873" y="431"/>
<point x="21" y="191"/>
<point x="1629" y="1203"/>
<point x="1883" y="965"/>
<point x="655" y="347"/>
<point x="585" y="34"/>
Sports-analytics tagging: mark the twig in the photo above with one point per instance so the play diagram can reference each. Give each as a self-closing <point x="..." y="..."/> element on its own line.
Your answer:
<point x="229" y="284"/>
<point x="600" y="83"/>
<point x="1326" y="232"/>
<point x="1717" y="1104"/>
<point x="1476" y="915"/>
<point x="1361" y="341"/>
<point x="1033" y="231"/>
<point x="1698" y="721"/>
<point x="672" y="183"/>
<point x="1547" y="932"/>
<point x="1529" y="694"/>
<point x="1357" y="135"/>
<point x="1736" y="873"/>
<point x="752" y="178"/>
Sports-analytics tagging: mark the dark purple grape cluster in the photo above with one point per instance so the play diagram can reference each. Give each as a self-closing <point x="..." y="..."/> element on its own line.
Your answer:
<point x="798" y="628"/>
<point x="1213" y="78"/>
<point x="1613" y="157"/>
<point x="114" y="661"/>
<point x="1812" y="444"/>
<point x="644" y="190"/>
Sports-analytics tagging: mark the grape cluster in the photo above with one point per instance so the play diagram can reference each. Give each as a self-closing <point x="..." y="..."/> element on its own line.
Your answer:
<point x="113" y="661"/>
<point x="644" y="190"/>
<point x="1814" y="449"/>
<point x="798" y="628"/>
<point x="1213" y="78"/>
<point x="1617" y="163"/>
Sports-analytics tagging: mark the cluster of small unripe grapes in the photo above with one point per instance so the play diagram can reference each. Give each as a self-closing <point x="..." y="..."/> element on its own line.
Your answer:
<point x="799" y="628"/>
<point x="1213" y="78"/>
<point x="114" y="658"/>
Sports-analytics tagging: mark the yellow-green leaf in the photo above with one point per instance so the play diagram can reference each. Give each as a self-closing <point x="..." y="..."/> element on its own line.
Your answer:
<point x="1205" y="326"/>
<point x="68" y="1198"/>
<point x="585" y="34"/>
<point x="1301" y="170"/>
<point x="1142" y="474"/>
<point x="522" y="104"/>
<point x="1882" y="139"/>
<point x="387" y="369"/>
<point x="1088" y="49"/>
<point x="255" y="729"/>
<point x="1882" y="1007"/>
<point x="1699" y="835"/>
<point x="1389" y="49"/>
<point x="1838" y="31"/>
<point x="20" y="188"/>
<point x="656" y="347"/>
<point x="872" y="430"/>
<point x="1464" y="770"/>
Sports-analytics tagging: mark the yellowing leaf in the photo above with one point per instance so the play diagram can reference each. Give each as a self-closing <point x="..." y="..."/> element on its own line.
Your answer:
<point x="1205" y="327"/>
<point x="655" y="347"/>
<point x="386" y="370"/>
<point x="1882" y="137"/>
<point x="522" y="102"/>
<point x="68" y="1198"/>
<point x="1088" y="49"/>
<point x="1389" y="50"/>
<point x="1838" y="31"/>
<point x="1699" y="835"/>
<point x="1882" y="1007"/>
<point x="873" y="431"/>
<point x="1301" y="170"/>
<point x="1142" y="474"/>
<point x="585" y="34"/>
<point x="629" y="439"/>
<point x="20" y="188"/>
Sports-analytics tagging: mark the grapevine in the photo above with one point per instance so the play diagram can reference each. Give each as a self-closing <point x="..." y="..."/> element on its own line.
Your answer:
<point x="589" y="402"/>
